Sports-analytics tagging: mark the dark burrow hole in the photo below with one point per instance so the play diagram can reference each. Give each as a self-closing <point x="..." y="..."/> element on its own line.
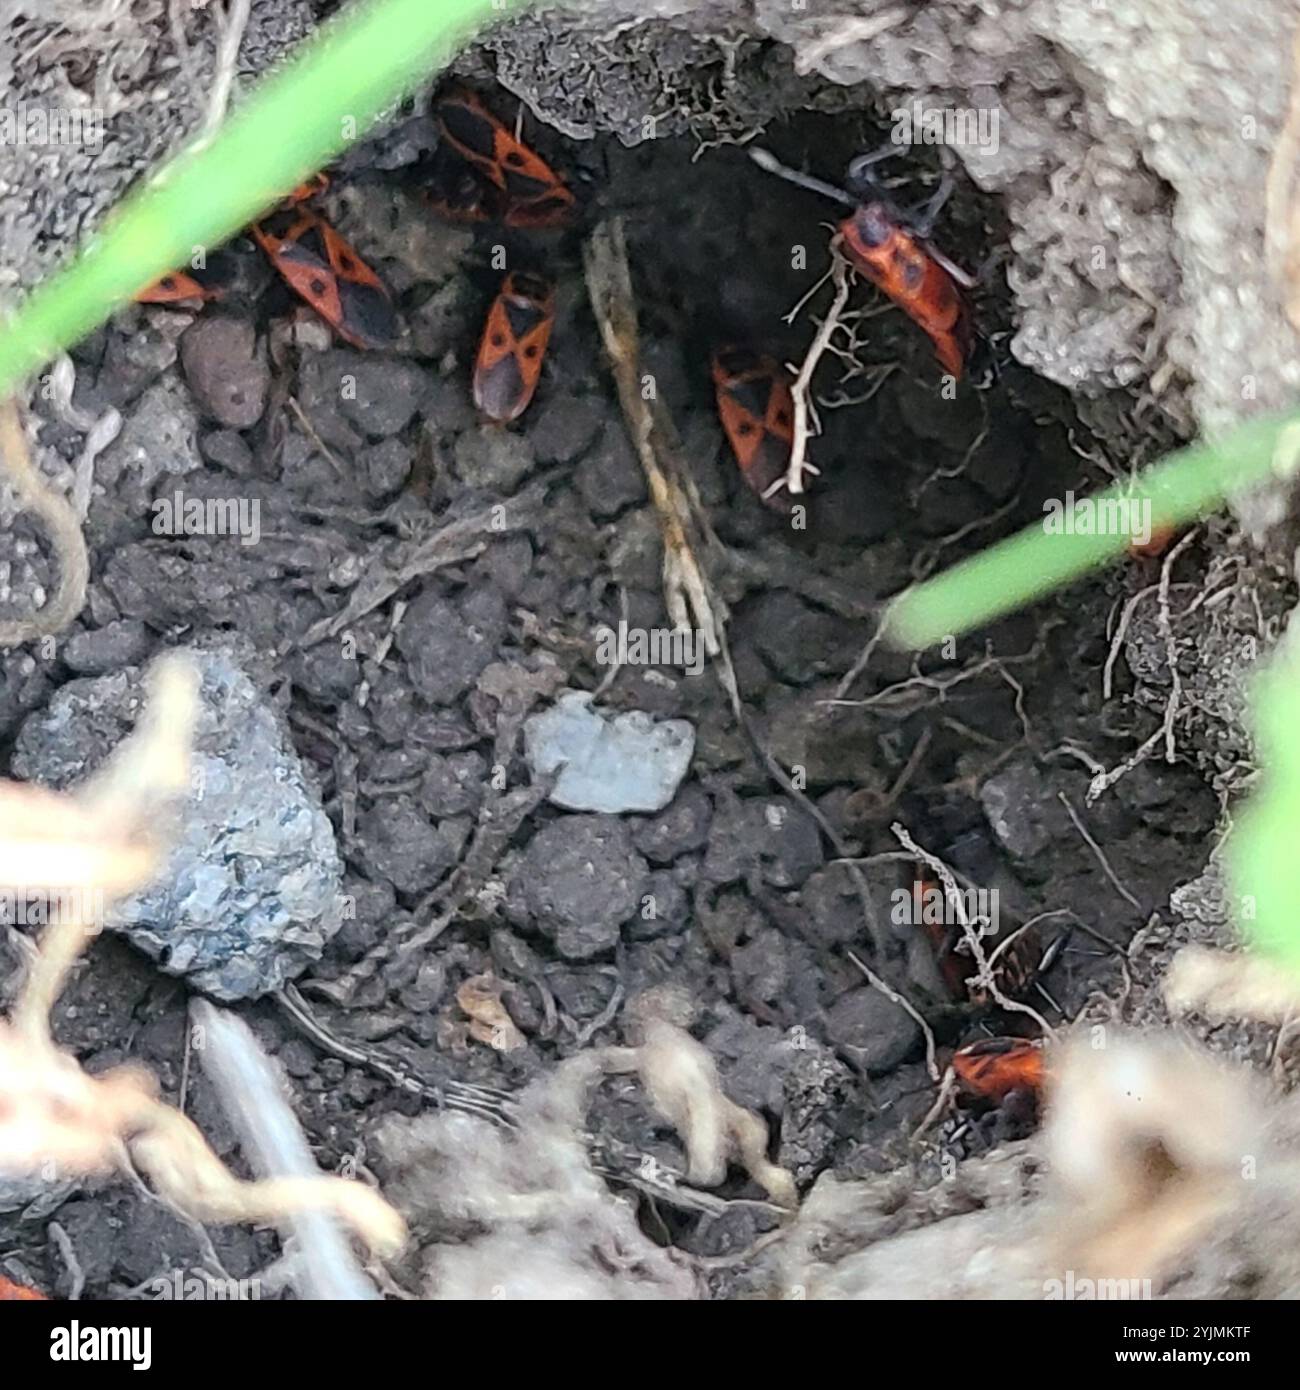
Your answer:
<point x="972" y="747"/>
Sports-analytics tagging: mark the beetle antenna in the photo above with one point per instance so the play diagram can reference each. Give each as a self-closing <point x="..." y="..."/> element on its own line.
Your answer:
<point x="769" y="162"/>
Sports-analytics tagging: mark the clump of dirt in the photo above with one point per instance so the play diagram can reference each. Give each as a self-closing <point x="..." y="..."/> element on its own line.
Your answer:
<point x="422" y="582"/>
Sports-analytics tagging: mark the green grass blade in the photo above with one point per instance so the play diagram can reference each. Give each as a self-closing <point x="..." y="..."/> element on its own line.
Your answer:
<point x="298" y="120"/>
<point x="1262" y="860"/>
<point x="1007" y="576"/>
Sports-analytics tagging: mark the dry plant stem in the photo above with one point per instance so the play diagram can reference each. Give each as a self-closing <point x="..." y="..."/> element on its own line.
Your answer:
<point x="801" y="390"/>
<point x="232" y="23"/>
<point x="386" y="568"/>
<point x="864" y="658"/>
<point x="1224" y="985"/>
<point x="688" y="594"/>
<point x="254" y="1103"/>
<point x="1117" y="642"/>
<point x="36" y="496"/>
<point x="984" y="978"/>
<point x="947" y="1089"/>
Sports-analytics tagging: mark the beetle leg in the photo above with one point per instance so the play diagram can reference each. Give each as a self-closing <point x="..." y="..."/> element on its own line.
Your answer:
<point x="923" y="219"/>
<point x="860" y="179"/>
<point x="766" y="160"/>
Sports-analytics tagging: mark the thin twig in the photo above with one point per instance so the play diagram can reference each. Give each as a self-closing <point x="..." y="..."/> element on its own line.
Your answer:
<point x="985" y="977"/>
<point x="1098" y="851"/>
<point x="801" y="389"/>
<point x="233" y="23"/>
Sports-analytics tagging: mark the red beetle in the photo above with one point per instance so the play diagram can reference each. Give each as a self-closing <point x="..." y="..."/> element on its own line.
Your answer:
<point x="893" y="252"/>
<point x="318" y="264"/>
<point x="195" y="284"/>
<point x="1161" y="538"/>
<point x="757" y="413"/>
<point x="19" y="1293"/>
<point x="1016" y="969"/>
<point x="530" y="193"/>
<point x="994" y="1069"/>
<point x="509" y="361"/>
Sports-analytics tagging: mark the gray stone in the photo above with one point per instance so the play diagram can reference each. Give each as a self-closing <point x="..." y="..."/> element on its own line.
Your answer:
<point x="122" y="643"/>
<point x="627" y="763"/>
<point x="679" y="829"/>
<point x="446" y="647"/>
<point x="158" y="438"/>
<point x="399" y="842"/>
<point x="664" y="909"/>
<point x="453" y="785"/>
<point x="492" y="458"/>
<point x="388" y="465"/>
<point x="579" y="880"/>
<point x="760" y="968"/>
<point x="224" y="370"/>
<point x="610" y="478"/>
<point x="1021" y="810"/>
<point x="564" y="428"/>
<point x="229" y="450"/>
<point x="378" y="394"/>
<point x="832" y="907"/>
<point x="871" y="1029"/>
<point x="799" y="642"/>
<point x="251" y="891"/>
<point x="771" y="831"/>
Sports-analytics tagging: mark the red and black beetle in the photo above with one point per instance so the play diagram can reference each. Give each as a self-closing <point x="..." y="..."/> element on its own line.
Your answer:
<point x="893" y="251"/>
<point x="757" y="412"/>
<point x="528" y="192"/>
<point x="509" y="361"/>
<point x="324" y="269"/>
<point x="995" y="1069"/>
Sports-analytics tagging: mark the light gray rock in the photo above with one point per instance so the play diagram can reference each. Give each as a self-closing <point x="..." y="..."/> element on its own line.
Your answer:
<point x="252" y="889"/>
<point x="628" y="763"/>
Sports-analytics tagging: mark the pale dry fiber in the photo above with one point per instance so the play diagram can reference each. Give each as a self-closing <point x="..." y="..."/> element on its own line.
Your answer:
<point x="682" y="1081"/>
<point x="520" y="1213"/>
<point x="1161" y="1171"/>
<point x="1223" y="985"/>
<point x="106" y="838"/>
<point x="681" y="1078"/>
<point x="1148" y="1143"/>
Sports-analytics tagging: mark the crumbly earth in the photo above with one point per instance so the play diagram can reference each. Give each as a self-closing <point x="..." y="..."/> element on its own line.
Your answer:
<point x="407" y="710"/>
